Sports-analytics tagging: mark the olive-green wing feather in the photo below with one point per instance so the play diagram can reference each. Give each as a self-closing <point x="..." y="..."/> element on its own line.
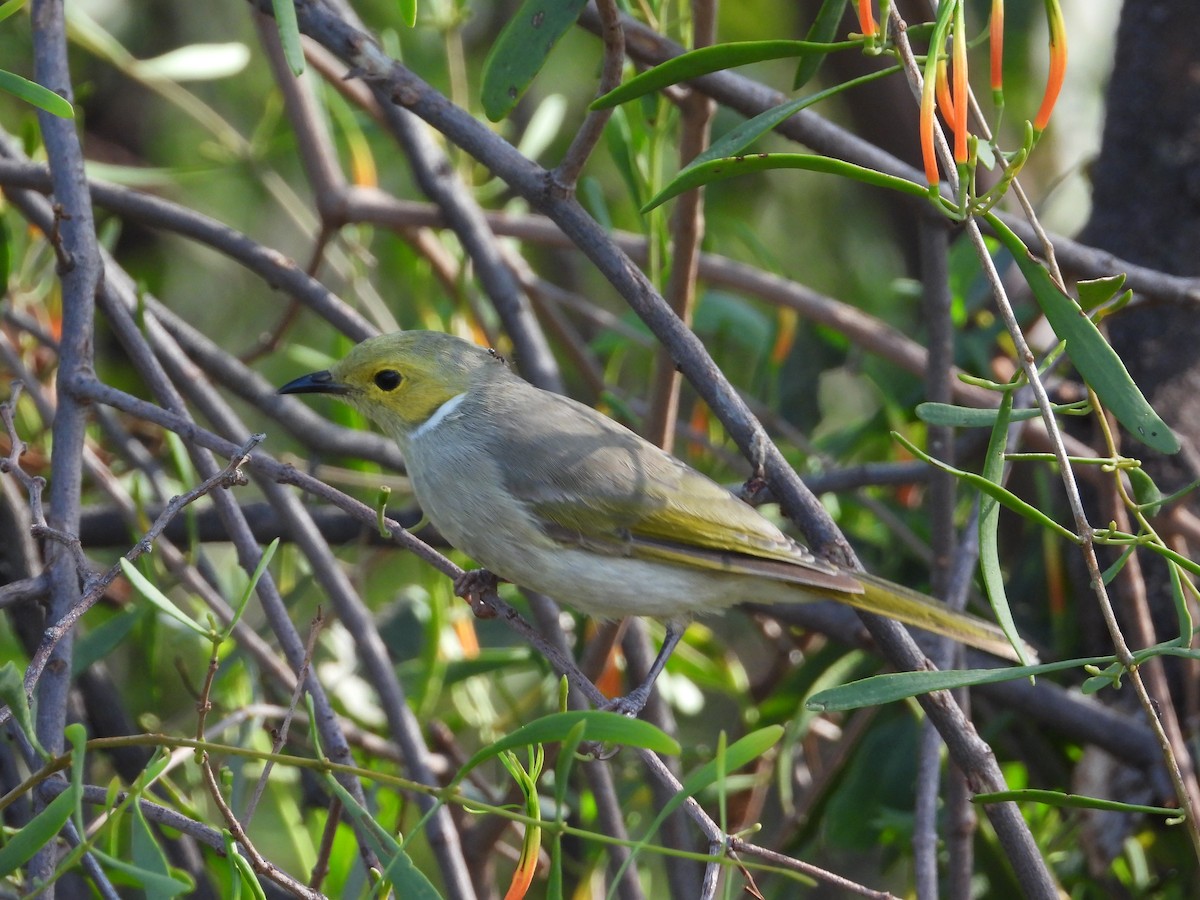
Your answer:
<point x="599" y="485"/>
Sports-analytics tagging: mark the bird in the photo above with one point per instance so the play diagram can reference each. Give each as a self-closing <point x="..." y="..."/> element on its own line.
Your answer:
<point x="555" y="497"/>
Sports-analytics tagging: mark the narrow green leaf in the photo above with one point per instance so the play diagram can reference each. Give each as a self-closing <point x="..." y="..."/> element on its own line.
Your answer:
<point x="241" y="872"/>
<point x="263" y="562"/>
<point x="156" y="884"/>
<point x="1148" y="496"/>
<point x="1094" y="292"/>
<point x="289" y="34"/>
<point x="1090" y="353"/>
<point x="144" y="849"/>
<point x="521" y="50"/>
<point x="879" y="689"/>
<point x="1074" y="801"/>
<point x="1183" y="610"/>
<point x="38" y="832"/>
<point x="160" y="600"/>
<point x="732" y="167"/>
<point x="1111" y="572"/>
<point x="12" y="695"/>
<point x="399" y="869"/>
<point x="408" y="12"/>
<point x="989" y="527"/>
<point x="824" y="29"/>
<point x="10" y="7"/>
<point x="99" y="642"/>
<point x="738" y="138"/>
<point x="601" y="726"/>
<point x="973" y="417"/>
<point x="707" y="60"/>
<point x="36" y="95"/>
<point x="1009" y="499"/>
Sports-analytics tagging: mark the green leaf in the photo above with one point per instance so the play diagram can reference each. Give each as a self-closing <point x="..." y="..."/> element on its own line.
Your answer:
<point x="156" y="884"/>
<point x="989" y="526"/>
<point x="160" y="600"/>
<point x="12" y="695"/>
<point x="408" y="12"/>
<point x="707" y="60"/>
<point x="824" y="28"/>
<point x="289" y="34"/>
<point x="38" y="832"/>
<point x="10" y="7"/>
<point x="521" y="50"/>
<point x="1090" y="353"/>
<point x="399" y="869"/>
<point x="738" y="138"/>
<point x="601" y="726"/>
<point x="732" y="167"/>
<point x="1145" y="491"/>
<point x="1074" y="801"/>
<point x="36" y="95"/>
<point x="879" y="689"/>
<point x="257" y="575"/>
<point x="100" y="641"/>
<point x="1094" y="292"/>
<point x="972" y="417"/>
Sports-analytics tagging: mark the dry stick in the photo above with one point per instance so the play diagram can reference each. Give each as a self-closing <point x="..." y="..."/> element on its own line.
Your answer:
<point x="260" y="863"/>
<point x="787" y="862"/>
<point x="687" y="233"/>
<point x="281" y="733"/>
<point x="566" y="174"/>
<point x="319" y="157"/>
<point x="230" y="476"/>
<point x="934" y="248"/>
<point x="79" y="273"/>
<point x="1083" y="528"/>
<point x="529" y="180"/>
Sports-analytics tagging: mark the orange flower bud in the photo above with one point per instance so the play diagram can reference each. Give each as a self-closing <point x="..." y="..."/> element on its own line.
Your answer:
<point x="1058" y="64"/>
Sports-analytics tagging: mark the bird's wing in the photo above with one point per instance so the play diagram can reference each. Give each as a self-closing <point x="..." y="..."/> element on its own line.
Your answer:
<point x="591" y="482"/>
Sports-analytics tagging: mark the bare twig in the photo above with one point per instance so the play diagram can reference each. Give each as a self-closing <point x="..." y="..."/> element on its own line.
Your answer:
<point x="230" y="476"/>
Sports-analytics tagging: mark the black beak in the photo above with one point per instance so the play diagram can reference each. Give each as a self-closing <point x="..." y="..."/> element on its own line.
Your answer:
<point x="315" y="383"/>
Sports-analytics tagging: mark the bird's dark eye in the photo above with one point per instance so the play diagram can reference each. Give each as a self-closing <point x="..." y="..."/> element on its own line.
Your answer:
<point x="388" y="379"/>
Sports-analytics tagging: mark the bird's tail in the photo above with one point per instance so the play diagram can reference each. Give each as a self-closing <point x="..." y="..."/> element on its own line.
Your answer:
<point x="914" y="608"/>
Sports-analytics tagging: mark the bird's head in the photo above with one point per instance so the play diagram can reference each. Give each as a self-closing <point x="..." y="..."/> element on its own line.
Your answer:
<point x="399" y="380"/>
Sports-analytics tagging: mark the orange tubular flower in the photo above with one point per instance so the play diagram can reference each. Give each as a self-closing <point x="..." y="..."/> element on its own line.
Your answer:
<point x="959" y="121"/>
<point x="866" y="18"/>
<point x="944" y="101"/>
<point x="996" y="37"/>
<point x="1058" y="64"/>
<point x="926" y="125"/>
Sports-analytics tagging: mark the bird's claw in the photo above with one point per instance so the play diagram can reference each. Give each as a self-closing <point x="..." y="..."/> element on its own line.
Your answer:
<point x="631" y="704"/>
<point x="477" y="587"/>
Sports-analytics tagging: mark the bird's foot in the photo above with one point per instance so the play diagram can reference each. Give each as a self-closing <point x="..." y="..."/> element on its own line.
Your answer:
<point x="631" y="704"/>
<point x="478" y="587"/>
